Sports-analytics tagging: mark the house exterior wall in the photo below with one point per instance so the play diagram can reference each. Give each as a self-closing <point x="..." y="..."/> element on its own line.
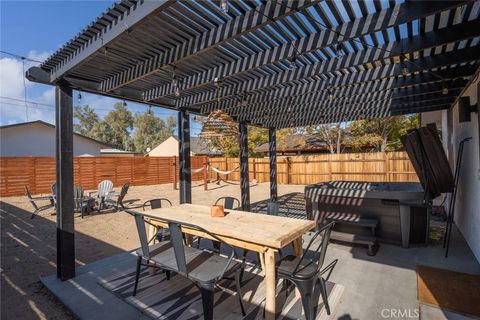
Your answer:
<point x="167" y="148"/>
<point x="38" y="140"/>
<point x="467" y="209"/>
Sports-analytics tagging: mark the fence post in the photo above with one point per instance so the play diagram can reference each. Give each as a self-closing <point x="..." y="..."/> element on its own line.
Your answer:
<point x="226" y="168"/>
<point x="287" y="162"/>
<point x="387" y="167"/>
<point x="330" y="176"/>
<point x="174" y="168"/>
<point x="254" y="169"/>
<point x="205" y="173"/>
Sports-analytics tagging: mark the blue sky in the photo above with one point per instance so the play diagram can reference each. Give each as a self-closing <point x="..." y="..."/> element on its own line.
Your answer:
<point x="36" y="29"/>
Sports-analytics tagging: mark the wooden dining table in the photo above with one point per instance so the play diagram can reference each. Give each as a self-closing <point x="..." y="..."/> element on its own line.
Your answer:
<point x="265" y="234"/>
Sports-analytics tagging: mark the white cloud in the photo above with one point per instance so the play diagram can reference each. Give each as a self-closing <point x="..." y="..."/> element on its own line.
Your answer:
<point x="12" y="90"/>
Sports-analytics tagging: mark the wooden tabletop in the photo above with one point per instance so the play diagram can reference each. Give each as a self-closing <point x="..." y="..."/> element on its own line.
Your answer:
<point x="271" y="231"/>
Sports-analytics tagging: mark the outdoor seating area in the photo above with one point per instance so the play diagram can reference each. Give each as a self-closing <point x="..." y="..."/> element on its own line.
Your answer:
<point x="369" y="248"/>
<point x="102" y="199"/>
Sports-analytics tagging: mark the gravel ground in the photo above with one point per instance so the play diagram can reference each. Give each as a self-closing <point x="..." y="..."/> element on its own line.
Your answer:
<point x="28" y="247"/>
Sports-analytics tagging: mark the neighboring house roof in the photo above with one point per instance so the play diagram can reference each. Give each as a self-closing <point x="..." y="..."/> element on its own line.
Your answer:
<point x="52" y="126"/>
<point x="116" y="151"/>
<point x="197" y="147"/>
<point x="299" y="143"/>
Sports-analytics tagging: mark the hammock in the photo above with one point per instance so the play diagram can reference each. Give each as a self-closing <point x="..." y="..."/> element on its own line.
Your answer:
<point x="198" y="170"/>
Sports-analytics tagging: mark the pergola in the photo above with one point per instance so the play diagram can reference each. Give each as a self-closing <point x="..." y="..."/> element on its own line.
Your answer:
<point x="273" y="64"/>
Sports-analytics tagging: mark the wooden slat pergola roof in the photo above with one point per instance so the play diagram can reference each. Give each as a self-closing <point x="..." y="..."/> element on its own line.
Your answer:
<point x="276" y="63"/>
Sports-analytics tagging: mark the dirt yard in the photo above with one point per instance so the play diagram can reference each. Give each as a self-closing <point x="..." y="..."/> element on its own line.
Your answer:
<point x="28" y="247"/>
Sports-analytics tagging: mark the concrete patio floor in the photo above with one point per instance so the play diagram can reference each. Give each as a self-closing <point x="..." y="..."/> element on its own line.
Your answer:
<point x="386" y="281"/>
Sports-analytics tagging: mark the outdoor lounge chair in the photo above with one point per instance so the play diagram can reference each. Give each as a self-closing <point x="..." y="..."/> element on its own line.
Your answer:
<point x="162" y="233"/>
<point x="104" y="189"/>
<point x="38" y="209"/>
<point x="83" y="204"/>
<point x="205" y="269"/>
<point x="306" y="272"/>
<point x="115" y="199"/>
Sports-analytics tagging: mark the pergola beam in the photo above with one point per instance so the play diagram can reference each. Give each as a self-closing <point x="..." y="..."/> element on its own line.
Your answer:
<point x="378" y="21"/>
<point x="350" y="94"/>
<point x="232" y="29"/>
<point x="101" y="38"/>
<point x="378" y="108"/>
<point x="256" y="100"/>
<point x="387" y="51"/>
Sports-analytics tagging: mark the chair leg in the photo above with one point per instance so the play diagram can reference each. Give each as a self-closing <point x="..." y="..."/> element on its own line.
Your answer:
<point x="167" y="274"/>
<point x="137" y="275"/>
<point x="323" y="288"/>
<point x="238" y="275"/>
<point x="207" y="300"/>
<point x="306" y="288"/>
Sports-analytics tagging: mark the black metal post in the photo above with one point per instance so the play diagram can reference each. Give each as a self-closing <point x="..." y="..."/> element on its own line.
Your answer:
<point x="244" y="179"/>
<point x="184" y="157"/>
<point x="272" y="148"/>
<point x="64" y="196"/>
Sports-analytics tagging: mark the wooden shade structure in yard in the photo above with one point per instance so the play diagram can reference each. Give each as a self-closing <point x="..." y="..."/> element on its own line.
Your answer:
<point x="273" y="64"/>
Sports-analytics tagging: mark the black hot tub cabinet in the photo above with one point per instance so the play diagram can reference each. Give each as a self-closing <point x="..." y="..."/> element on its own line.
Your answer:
<point x="397" y="206"/>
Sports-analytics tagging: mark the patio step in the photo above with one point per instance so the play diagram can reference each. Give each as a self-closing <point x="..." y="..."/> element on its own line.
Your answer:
<point x="354" y="220"/>
<point x="370" y="241"/>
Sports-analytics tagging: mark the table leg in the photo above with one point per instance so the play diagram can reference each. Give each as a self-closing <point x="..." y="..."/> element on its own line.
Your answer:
<point x="297" y="247"/>
<point x="189" y="239"/>
<point x="261" y="259"/>
<point x="270" y="282"/>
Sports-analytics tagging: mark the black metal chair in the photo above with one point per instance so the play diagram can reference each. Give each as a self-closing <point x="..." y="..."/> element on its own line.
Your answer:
<point x="115" y="199"/>
<point x="32" y="200"/>
<point x="155" y="203"/>
<point x="204" y="268"/>
<point x="162" y="233"/>
<point x="229" y="202"/>
<point x="306" y="272"/>
<point x="273" y="208"/>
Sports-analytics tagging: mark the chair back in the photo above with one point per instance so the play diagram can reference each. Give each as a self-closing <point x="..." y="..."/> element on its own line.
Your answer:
<point x="104" y="188"/>
<point x="228" y="202"/>
<point x="78" y="194"/>
<point x="319" y="249"/>
<point x="273" y="208"/>
<point x="176" y="239"/>
<point x="29" y="196"/>
<point x="155" y="203"/>
<point x="142" y="233"/>
<point x="54" y="192"/>
<point x="123" y="192"/>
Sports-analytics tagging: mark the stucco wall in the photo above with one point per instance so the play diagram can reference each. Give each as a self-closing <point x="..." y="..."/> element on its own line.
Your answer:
<point x="467" y="213"/>
<point x="167" y="148"/>
<point x="39" y="140"/>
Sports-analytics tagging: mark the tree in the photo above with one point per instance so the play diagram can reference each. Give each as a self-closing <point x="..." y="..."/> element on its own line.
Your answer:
<point x="149" y="130"/>
<point x="87" y="119"/>
<point x="333" y="135"/>
<point x="381" y="133"/>
<point x="120" y="122"/>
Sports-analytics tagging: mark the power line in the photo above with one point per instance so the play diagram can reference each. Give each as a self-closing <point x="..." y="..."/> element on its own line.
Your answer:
<point x="20" y="56"/>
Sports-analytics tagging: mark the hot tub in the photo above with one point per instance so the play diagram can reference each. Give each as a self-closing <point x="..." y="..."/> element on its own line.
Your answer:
<point x="398" y="207"/>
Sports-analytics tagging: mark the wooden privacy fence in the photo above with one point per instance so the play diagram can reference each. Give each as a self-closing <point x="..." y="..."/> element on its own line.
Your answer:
<point x="39" y="172"/>
<point x="378" y="167"/>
